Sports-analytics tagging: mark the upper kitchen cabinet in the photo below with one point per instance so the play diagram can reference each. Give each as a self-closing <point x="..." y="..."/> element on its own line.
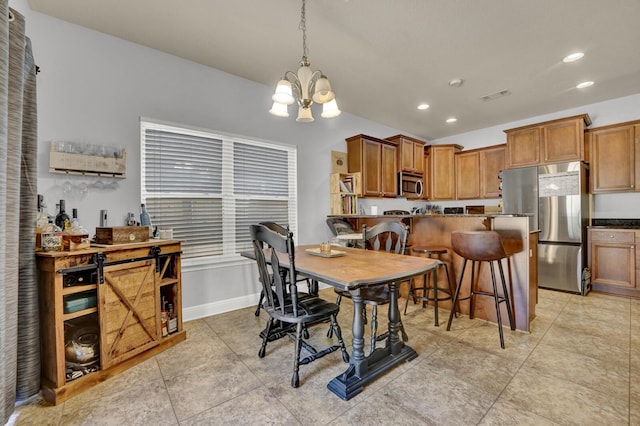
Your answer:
<point x="442" y="179"/>
<point x="491" y="162"/>
<point x="615" y="157"/>
<point x="376" y="160"/>
<point x="410" y="154"/>
<point x="550" y="142"/>
<point x="477" y="172"/>
<point x="467" y="173"/>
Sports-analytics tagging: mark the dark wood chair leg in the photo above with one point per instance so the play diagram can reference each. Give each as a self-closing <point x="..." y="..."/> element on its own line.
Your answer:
<point x="295" y="380"/>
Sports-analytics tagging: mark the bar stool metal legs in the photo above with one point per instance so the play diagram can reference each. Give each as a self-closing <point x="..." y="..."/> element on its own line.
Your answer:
<point x="434" y="289"/>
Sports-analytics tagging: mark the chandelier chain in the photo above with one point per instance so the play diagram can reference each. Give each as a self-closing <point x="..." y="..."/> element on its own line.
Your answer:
<point x="303" y="27"/>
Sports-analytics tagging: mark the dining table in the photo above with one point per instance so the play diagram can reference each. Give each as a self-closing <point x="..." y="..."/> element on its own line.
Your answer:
<point x="355" y="269"/>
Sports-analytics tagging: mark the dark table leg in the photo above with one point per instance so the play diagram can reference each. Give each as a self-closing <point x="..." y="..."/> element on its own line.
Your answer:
<point x="363" y="370"/>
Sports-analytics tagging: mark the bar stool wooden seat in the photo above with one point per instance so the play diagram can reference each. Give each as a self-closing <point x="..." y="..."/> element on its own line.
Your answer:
<point x="438" y="294"/>
<point x="482" y="246"/>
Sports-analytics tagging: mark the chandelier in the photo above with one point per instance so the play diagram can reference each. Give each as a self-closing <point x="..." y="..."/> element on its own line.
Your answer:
<point x="304" y="83"/>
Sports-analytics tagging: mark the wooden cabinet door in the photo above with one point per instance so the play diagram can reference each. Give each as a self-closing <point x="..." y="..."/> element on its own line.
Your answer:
<point x="612" y="258"/>
<point x="418" y="158"/>
<point x="442" y="172"/>
<point x="426" y="193"/>
<point x="127" y="303"/>
<point x="523" y="147"/>
<point x="388" y="171"/>
<point x="612" y="152"/>
<point x="491" y="162"/>
<point x="467" y="172"/>
<point x="563" y="141"/>
<point x="372" y="160"/>
<point x="407" y="161"/>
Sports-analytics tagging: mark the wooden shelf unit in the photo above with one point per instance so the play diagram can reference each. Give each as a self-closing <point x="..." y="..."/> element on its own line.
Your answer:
<point x="345" y="189"/>
<point x="128" y="281"/>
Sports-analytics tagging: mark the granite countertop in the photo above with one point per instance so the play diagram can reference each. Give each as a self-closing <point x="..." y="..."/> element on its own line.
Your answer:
<point x="431" y="215"/>
<point x="615" y="223"/>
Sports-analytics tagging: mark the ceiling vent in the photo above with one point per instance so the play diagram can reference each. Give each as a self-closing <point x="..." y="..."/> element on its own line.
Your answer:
<point x="496" y="95"/>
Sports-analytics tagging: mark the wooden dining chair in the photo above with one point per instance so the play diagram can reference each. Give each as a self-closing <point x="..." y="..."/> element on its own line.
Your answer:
<point x="282" y="301"/>
<point x="390" y="237"/>
<point x="312" y="287"/>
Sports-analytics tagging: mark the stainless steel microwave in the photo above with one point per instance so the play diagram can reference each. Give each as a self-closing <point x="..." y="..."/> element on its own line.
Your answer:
<point x="410" y="186"/>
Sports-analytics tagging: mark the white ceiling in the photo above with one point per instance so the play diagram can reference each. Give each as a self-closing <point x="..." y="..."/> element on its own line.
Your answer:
<point x="384" y="57"/>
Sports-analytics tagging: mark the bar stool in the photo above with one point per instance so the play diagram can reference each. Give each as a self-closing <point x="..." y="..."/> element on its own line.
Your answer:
<point x="482" y="246"/>
<point x="425" y="289"/>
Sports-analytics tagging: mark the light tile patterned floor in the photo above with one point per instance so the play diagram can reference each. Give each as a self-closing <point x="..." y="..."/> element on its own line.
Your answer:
<point x="580" y="365"/>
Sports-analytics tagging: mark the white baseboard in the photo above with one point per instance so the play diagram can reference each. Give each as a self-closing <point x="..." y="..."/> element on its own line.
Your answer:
<point x="222" y="306"/>
<point x="214" y="308"/>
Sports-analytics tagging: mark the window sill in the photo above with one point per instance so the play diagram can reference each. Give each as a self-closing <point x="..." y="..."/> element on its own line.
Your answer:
<point x="214" y="262"/>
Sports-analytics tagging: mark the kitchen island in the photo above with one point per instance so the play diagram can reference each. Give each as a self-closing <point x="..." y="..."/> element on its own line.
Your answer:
<point x="518" y="239"/>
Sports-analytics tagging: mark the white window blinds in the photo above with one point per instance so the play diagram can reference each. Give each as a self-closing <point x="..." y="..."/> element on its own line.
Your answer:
<point x="209" y="188"/>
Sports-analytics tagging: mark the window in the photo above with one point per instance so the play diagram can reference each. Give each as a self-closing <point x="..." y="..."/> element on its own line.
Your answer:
<point x="210" y="187"/>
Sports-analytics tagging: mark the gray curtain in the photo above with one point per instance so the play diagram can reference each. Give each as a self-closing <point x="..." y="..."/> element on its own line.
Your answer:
<point x="19" y="323"/>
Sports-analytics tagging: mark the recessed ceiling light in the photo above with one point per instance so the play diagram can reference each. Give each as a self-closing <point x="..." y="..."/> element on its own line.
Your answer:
<point x="423" y="106"/>
<point x="584" y="84"/>
<point x="456" y="82"/>
<point x="573" y="57"/>
<point x="452" y="120"/>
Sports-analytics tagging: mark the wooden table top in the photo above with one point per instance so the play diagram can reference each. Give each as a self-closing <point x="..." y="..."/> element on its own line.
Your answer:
<point x="357" y="268"/>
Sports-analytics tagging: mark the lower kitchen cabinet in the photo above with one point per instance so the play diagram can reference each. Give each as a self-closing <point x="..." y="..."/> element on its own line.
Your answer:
<point x="612" y="261"/>
<point x="105" y="309"/>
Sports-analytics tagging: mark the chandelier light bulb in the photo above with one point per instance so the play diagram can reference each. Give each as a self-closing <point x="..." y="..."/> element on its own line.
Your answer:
<point x="330" y="109"/>
<point x="279" y="110"/>
<point x="283" y="94"/>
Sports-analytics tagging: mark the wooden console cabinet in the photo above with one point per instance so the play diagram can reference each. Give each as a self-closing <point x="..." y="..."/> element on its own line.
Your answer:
<point x="115" y="294"/>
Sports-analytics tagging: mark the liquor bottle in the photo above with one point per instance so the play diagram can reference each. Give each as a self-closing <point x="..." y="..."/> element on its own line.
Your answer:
<point x="172" y="323"/>
<point x="41" y="222"/>
<point x="145" y="218"/>
<point x="62" y="216"/>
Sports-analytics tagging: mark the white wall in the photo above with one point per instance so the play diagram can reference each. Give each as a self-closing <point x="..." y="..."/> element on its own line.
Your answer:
<point x="94" y="88"/>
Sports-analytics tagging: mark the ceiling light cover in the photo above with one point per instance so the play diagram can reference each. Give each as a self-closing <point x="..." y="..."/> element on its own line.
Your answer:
<point x="330" y="109"/>
<point x="452" y="120"/>
<point x="584" y="84"/>
<point x="306" y="85"/>
<point x="423" y="106"/>
<point x="573" y="57"/>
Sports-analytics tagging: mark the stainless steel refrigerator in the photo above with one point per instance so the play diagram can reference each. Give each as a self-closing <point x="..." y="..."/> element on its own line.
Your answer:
<point x="556" y="197"/>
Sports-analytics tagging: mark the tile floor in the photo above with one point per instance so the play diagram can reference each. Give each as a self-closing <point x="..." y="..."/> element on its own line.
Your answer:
<point x="580" y="365"/>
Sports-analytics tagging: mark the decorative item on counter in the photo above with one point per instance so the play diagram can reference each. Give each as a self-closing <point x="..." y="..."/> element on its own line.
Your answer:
<point x="121" y="234"/>
<point x="131" y="219"/>
<point x="103" y="218"/>
<point x="166" y="234"/>
<point x="145" y="219"/>
<point x="62" y="216"/>
<point x="42" y="220"/>
<point x="325" y="248"/>
<point x="74" y="236"/>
